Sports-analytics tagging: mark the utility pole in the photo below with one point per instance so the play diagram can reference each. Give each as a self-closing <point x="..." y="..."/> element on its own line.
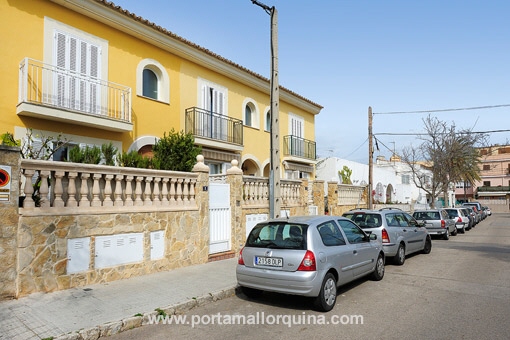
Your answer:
<point x="370" y="159"/>
<point x="274" y="163"/>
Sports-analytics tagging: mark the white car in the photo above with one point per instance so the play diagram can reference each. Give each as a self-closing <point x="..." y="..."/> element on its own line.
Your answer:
<point x="460" y="217"/>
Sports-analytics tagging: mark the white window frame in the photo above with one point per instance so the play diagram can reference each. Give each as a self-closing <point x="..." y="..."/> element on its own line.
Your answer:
<point x="255" y="118"/>
<point x="163" y="80"/>
<point x="52" y="28"/>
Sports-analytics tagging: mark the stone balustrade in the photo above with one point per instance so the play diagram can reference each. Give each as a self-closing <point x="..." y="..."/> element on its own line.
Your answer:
<point x="76" y="188"/>
<point x="350" y="194"/>
<point x="256" y="191"/>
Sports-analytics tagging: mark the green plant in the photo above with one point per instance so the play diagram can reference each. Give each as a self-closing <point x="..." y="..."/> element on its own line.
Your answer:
<point x="138" y="314"/>
<point x="76" y="155"/>
<point x="109" y="151"/>
<point x="345" y="175"/>
<point x="134" y="160"/>
<point x="8" y="139"/>
<point x="160" y="312"/>
<point x="177" y="152"/>
<point x="92" y="155"/>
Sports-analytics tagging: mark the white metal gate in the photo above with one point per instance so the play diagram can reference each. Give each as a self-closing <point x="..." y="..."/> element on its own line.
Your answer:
<point x="219" y="218"/>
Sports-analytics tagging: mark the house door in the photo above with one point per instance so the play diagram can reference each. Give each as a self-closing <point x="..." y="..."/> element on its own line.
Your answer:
<point x="219" y="218"/>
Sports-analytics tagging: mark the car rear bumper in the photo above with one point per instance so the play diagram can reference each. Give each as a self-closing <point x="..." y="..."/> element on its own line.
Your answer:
<point x="436" y="231"/>
<point x="296" y="283"/>
<point x="390" y="249"/>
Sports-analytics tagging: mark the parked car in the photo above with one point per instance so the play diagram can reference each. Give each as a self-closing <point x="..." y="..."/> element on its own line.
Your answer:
<point x="471" y="215"/>
<point x="460" y="216"/>
<point x="437" y="222"/>
<point x="398" y="231"/>
<point x="472" y="212"/>
<point x="477" y="207"/>
<point x="308" y="256"/>
<point x="488" y="210"/>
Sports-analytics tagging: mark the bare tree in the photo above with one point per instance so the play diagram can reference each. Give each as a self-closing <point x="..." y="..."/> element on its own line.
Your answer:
<point x="451" y="157"/>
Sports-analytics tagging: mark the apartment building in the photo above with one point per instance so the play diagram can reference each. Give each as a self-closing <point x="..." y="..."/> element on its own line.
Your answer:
<point x="94" y="73"/>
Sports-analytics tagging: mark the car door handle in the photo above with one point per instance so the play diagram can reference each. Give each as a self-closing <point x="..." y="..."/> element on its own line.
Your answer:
<point x="354" y="252"/>
<point x="404" y="230"/>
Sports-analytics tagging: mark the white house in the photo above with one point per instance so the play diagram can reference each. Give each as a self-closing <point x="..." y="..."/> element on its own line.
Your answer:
<point x="392" y="180"/>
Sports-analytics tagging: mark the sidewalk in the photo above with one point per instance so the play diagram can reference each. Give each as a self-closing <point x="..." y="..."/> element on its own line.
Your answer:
<point x="104" y="309"/>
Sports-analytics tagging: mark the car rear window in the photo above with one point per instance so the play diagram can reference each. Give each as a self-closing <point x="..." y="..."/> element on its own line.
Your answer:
<point x="427" y="215"/>
<point x="452" y="213"/>
<point x="365" y="220"/>
<point x="278" y="236"/>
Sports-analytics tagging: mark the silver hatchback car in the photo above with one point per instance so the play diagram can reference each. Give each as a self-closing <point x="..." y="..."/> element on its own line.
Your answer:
<point x="307" y="256"/>
<point x="398" y="231"/>
<point x="437" y="222"/>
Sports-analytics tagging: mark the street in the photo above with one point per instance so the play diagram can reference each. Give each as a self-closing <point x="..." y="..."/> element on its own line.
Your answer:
<point x="461" y="290"/>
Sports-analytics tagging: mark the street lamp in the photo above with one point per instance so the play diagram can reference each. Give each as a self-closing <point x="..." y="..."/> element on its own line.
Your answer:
<point x="274" y="163"/>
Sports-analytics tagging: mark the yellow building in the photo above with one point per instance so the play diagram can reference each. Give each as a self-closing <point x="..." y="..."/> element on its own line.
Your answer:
<point x="95" y="73"/>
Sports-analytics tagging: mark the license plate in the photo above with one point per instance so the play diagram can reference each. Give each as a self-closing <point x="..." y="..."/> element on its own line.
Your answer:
<point x="269" y="261"/>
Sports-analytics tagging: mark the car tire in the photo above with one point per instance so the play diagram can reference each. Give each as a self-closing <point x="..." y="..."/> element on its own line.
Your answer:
<point x="455" y="230"/>
<point x="252" y="293"/>
<point x="463" y="230"/>
<point x="400" y="258"/>
<point x="428" y="246"/>
<point x="378" y="273"/>
<point x="326" y="299"/>
<point x="446" y="235"/>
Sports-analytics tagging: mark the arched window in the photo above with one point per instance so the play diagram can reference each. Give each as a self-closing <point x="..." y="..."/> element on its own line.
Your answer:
<point x="152" y="81"/>
<point x="268" y="121"/>
<point x="150" y="84"/>
<point x="247" y="115"/>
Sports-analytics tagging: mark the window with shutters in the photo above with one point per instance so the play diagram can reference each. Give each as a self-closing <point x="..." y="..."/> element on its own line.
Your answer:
<point x="297" y="132"/>
<point x="213" y="99"/>
<point x="76" y="82"/>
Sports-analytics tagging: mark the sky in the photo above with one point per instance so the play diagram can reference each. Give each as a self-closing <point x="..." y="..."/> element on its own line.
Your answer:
<point x="406" y="59"/>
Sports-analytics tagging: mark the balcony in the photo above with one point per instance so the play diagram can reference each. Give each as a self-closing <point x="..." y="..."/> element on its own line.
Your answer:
<point x="494" y="189"/>
<point x="52" y="93"/>
<point x="299" y="147"/>
<point x="213" y="129"/>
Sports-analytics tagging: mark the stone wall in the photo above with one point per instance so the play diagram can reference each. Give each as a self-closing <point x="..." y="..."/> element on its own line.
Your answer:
<point x="35" y="242"/>
<point x="42" y="247"/>
<point x="9" y="156"/>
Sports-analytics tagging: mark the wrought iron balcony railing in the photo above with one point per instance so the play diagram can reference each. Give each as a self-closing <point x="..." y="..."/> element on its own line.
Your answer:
<point x="206" y="124"/>
<point x="62" y="89"/>
<point x="299" y="147"/>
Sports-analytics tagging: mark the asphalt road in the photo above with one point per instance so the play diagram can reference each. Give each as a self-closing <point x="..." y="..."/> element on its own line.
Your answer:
<point x="461" y="290"/>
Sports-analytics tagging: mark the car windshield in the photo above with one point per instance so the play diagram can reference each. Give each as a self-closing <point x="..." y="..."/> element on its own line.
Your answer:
<point x="365" y="220"/>
<point x="279" y="235"/>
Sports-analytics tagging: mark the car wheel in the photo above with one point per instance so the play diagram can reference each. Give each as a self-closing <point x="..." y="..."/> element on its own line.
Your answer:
<point x="251" y="292"/>
<point x="446" y="235"/>
<point x="428" y="246"/>
<point x="400" y="258"/>
<point x="463" y="230"/>
<point x="454" y="233"/>
<point x="378" y="273"/>
<point x="327" y="296"/>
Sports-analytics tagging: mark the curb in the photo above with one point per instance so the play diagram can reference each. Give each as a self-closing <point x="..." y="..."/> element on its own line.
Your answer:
<point x="136" y="321"/>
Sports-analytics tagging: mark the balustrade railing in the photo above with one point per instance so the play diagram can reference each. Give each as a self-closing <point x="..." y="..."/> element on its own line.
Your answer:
<point x="74" y="187"/>
<point x="350" y="194"/>
<point x="256" y="191"/>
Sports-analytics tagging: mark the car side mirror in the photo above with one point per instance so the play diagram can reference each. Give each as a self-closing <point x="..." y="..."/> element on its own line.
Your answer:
<point x="372" y="237"/>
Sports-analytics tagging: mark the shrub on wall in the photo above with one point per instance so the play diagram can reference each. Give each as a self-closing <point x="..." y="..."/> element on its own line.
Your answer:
<point x="176" y="152"/>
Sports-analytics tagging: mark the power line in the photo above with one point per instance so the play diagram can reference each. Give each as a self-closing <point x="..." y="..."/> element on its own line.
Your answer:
<point x="425" y="134"/>
<point x="443" y="110"/>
